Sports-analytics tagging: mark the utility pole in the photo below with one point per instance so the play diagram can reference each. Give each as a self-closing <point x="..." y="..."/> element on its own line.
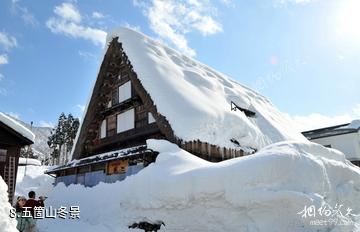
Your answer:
<point x="28" y="148"/>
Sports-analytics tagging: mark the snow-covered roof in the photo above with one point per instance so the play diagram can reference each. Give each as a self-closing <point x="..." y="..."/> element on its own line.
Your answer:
<point x="196" y="99"/>
<point x="355" y="124"/>
<point x="17" y="127"/>
<point x="352" y="127"/>
<point x="29" y="161"/>
<point x="107" y="156"/>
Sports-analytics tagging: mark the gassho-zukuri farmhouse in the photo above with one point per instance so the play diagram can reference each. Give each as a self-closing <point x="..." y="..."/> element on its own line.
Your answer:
<point x="146" y="90"/>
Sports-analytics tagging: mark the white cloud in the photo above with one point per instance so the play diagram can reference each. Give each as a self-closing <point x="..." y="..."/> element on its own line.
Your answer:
<point x="68" y="23"/>
<point x="1" y="76"/>
<point x="4" y="59"/>
<point x="74" y="30"/>
<point x="172" y="20"/>
<point x="7" y="41"/>
<point x="294" y="1"/>
<point x="68" y="11"/>
<point x="228" y="3"/>
<point x="97" y="15"/>
<point x="26" y="15"/>
<point x="316" y="121"/>
<point x="46" y="124"/>
<point x="81" y="107"/>
<point x="87" y="55"/>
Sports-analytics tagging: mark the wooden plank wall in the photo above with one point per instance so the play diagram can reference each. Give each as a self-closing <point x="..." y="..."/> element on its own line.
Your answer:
<point x="210" y="152"/>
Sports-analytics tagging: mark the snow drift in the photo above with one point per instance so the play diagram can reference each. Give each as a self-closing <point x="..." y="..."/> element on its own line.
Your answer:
<point x="34" y="180"/>
<point x="6" y="223"/>
<point x="262" y="192"/>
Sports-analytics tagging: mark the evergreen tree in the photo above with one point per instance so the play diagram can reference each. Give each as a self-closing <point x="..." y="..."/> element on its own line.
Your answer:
<point x="27" y="152"/>
<point x="70" y="127"/>
<point x="62" y="138"/>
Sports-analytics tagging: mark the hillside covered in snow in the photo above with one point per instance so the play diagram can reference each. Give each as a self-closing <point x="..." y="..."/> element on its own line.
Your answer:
<point x="40" y="146"/>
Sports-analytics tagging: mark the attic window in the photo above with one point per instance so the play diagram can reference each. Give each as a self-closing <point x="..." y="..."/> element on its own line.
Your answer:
<point x="124" y="91"/>
<point x="126" y="121"/>
<point x="247" y="112"/>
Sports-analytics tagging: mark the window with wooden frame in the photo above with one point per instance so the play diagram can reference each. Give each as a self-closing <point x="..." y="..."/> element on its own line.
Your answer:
<point x="124" y="91"/>
<point x="125" y="121"/>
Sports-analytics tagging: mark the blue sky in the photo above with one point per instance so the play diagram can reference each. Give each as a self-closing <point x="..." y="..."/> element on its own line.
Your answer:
<point x="304" y="55"/>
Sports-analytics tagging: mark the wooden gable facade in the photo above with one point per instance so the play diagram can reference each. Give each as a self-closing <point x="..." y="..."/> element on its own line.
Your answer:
<point x="120" y="112"/>
<point x="121" y="115"/>
<point x="10" y="144"/>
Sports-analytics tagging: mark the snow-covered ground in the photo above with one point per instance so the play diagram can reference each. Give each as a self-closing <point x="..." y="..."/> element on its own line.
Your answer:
<point x="34" y="180"/>
<point x="262" y="192"/>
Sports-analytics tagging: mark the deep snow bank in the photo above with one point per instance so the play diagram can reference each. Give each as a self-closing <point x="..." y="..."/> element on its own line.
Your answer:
<point x="262" y="192"/>
<point x="6" y="223"/>
<point x="34" y="180"/>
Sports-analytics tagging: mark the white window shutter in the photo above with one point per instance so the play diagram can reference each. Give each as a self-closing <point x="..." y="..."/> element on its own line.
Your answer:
<point x="126" y="121"/>
<point x="124" y="91"/>
<point x="103" y="129"/>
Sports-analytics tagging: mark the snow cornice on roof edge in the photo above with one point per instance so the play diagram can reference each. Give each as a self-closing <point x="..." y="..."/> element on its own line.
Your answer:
<point x="20" y="129"/>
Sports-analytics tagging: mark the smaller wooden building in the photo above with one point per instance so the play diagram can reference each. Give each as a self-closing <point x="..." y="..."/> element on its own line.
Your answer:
<point x="13" y="137"/>
<point x="106" y="167"/>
